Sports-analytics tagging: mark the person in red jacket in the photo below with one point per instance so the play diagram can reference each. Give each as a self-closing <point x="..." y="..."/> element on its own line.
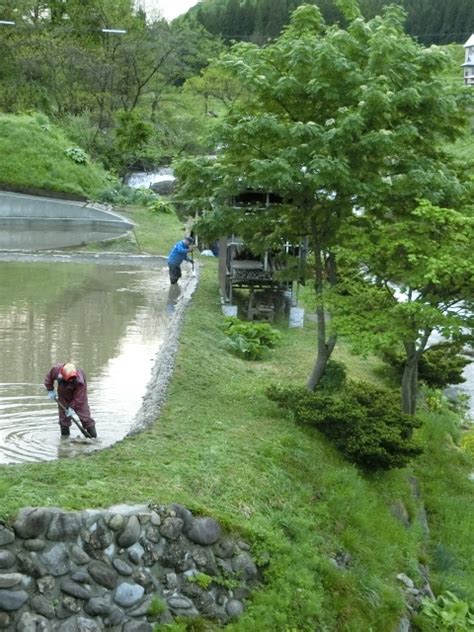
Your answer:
<point x="71" y="394"/>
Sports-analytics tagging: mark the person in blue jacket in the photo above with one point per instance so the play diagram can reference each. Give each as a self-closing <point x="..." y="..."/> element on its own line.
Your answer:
<point x="179" y="253"/>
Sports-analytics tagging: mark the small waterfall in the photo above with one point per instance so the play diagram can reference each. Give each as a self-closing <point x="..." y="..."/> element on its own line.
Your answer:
<point x="144" y="179"/>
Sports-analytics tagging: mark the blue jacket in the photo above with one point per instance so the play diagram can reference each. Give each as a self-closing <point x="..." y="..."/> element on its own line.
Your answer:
<point x="178" y="253"/>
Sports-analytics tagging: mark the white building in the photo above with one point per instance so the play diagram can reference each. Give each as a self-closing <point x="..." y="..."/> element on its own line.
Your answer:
<point x="468" y="64"/>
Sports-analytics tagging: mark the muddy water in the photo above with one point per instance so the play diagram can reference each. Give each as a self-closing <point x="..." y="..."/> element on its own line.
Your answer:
<point x="110" y="320"/>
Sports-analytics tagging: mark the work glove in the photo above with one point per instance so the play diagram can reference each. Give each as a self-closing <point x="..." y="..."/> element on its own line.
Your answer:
<point x="52" y="394"/>
<point x="72" y="413"/>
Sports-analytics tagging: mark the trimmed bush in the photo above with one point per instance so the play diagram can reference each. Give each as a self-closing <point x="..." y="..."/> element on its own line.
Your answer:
<point x="438" y="367"/>
<point x="363" y="421"/>
<point x="334" y="378"/>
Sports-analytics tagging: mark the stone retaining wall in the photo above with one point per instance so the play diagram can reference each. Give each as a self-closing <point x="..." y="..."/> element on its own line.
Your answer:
<point x="124" y="569"/>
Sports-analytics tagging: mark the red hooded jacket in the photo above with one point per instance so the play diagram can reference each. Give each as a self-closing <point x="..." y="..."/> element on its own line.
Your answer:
<point x="71" y="393"/>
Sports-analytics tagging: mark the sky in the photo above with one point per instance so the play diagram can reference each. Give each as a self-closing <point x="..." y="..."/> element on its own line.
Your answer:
<point x="169" y="9"/>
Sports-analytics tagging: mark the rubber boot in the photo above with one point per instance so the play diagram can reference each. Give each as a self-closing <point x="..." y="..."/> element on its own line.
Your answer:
<point x="64" y="431"/>
<point x="92" y="432"/>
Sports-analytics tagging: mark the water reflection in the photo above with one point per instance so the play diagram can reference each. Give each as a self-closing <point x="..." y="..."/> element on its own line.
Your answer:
<point x="29" y="222"/>
<point x="48" y="234"/>
<point x="110" y="320"/>
<point x="173" y="295"/>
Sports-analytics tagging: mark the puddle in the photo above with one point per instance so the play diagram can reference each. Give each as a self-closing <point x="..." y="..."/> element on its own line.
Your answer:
<point x="110" y="320"/>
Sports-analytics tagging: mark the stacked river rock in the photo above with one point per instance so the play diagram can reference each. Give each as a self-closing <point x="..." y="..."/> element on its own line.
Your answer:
<point x="126" y="568"/>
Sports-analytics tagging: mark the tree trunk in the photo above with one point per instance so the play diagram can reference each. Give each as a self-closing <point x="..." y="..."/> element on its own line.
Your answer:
<point x="324" y="353"/>
<point x="410" y="373"/>
<point x="410" y="384"/>
<point x="325" y="347"/>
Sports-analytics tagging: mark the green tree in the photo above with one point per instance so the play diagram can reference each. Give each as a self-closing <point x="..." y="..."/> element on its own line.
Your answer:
<point x="331" y="114"/>
<point x="57" y="59"/>
<point x="132" y="132"/>
<point x="214" y="84"/>
<point x="407" y="278"/>
<point x="231" y="24"/>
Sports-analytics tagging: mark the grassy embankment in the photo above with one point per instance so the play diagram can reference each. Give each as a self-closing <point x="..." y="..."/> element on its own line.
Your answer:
<point x="222" y="449"/>
<point x="33" y="157"/>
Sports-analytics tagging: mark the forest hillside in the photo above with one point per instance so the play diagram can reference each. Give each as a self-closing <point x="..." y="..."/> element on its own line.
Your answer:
<point x="433" y="22"/>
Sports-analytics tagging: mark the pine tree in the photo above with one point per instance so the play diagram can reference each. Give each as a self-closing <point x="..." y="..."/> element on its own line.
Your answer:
<point x="231" y="21"/>
<point x="277" y="18"/>
<point x="429" y="21"/>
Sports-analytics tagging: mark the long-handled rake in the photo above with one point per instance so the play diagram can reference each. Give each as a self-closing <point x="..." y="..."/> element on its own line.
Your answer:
<point x="193" y="271"/>
<point x="83" y="430"/>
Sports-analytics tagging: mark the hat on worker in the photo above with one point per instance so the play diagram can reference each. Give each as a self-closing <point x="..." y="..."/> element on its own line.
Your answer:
<point x="190" y="239"/>
<point x="68" y="371"/>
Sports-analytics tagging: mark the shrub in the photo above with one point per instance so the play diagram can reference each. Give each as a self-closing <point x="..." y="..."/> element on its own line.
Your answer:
<point x="122" y="194"/>
<point x="447" y="612"/>
<point x="363" y="421"/>
<point x="438" y="367"/>
<point x="467" y="442"/>
<point x="143" y="196"/>
<point x="41" y="119"/>
<point x="250" y="341"/>
<point x="334" y="377"/>
<point x="437" y="401"/>
<point x="158" y="206"/>
<point x="434" y="400"/>
<point x="76" y="154"/>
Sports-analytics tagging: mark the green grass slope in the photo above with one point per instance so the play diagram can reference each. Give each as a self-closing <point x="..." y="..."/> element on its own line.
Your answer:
<point x="222" y="448"/>
<point x="33" y="158"/>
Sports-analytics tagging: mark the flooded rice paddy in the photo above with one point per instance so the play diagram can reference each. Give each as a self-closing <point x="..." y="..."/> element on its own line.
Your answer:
<point x="111" y="320"/>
